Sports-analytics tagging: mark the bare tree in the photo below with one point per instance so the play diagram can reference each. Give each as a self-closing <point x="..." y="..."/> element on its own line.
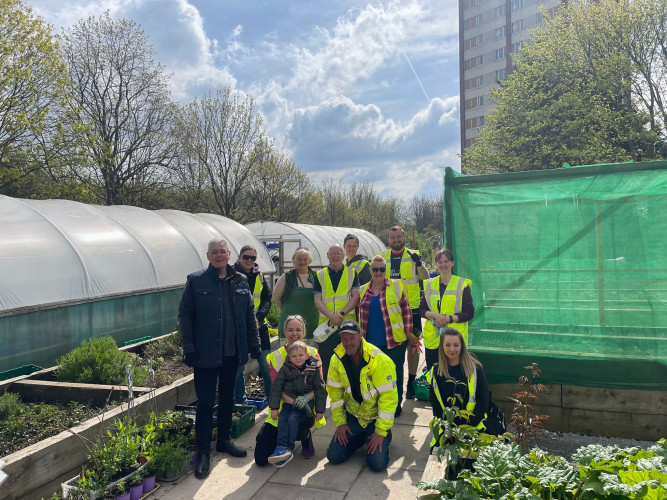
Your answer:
<point x="278" y="190"/>
<point x="425" y="213"/>
<point x="122" y="94"/>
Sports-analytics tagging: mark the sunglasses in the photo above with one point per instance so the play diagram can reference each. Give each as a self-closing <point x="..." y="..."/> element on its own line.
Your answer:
<point x="249" y="257"/>
<point x="378" y="269"/>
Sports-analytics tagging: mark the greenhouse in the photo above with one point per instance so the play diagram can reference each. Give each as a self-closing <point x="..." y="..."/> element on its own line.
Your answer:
<point x="569" y="270"/>
<point x="71" y="271"/>
<point x="285" y="237"/>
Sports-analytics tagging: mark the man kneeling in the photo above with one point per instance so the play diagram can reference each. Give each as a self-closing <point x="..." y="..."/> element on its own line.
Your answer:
<point x="362" y="386"/>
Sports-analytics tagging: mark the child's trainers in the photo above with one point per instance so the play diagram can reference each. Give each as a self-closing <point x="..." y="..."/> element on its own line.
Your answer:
<point x="307" y="448"/>
<point x="280" y="456"/>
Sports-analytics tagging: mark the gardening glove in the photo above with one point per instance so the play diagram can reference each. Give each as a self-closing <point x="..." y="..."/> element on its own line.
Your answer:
<point x="301" y="402"/>
<point x="417" y="259"/>
<point x="190" y="358"/>
<point x="255" y="351"/>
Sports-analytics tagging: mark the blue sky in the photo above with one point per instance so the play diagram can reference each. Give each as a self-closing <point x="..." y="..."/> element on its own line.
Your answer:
<point x="353" y="90"/>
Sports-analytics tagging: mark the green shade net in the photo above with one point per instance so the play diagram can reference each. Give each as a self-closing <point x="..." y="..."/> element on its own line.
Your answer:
<point x="569" y="270"/>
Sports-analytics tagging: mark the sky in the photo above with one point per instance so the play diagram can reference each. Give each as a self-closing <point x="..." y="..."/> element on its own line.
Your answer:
<point x="351" y="90"/>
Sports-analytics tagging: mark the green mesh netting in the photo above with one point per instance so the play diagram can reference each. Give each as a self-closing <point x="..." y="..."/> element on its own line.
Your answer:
<point x="569" y="269"/>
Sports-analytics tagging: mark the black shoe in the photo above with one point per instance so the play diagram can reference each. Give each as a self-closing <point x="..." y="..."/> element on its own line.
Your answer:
<point x="203" y="466"/>
<point x="398" y="411"/>
<point x="229" y="447"/>
<point x="410" y="393"/>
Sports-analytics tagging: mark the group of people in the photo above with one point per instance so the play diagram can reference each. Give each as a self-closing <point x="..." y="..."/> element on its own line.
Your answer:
<point x="376" y="308"/>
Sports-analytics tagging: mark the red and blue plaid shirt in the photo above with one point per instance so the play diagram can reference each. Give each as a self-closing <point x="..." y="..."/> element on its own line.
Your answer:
<point x="405" y="311"/>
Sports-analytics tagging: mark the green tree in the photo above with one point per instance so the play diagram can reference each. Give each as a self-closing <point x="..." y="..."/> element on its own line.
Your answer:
<point x="569" y="98"/>
<point x="121" y="94"/>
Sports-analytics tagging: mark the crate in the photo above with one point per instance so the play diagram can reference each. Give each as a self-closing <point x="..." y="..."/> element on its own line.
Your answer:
<point x="421" y="388"/>
<point x="260" y="404"/>
<point x="245" y="421"/>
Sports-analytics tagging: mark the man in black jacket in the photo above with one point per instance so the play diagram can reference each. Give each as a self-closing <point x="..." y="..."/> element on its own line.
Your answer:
<point x="218" y="331"/>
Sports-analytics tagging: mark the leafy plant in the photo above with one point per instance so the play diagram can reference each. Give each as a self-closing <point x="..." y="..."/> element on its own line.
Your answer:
<point x="525" y="421"/>
<point x="10" y="405"/>
<point x="273" y="318"/>
<point x="168" y="346"/>
<point x="99" y="361"/>
<point x="171" y="457"/>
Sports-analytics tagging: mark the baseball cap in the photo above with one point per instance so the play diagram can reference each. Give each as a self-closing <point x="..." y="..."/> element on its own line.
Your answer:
<point x="349" y="326"/>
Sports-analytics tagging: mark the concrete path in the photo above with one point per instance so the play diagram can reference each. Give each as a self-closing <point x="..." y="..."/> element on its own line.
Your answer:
<point x="241" y="479"/>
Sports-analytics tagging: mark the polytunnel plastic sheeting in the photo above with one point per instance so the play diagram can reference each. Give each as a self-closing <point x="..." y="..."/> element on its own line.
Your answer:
<point x="317" y="239"/>
<point x="60" y="251"/>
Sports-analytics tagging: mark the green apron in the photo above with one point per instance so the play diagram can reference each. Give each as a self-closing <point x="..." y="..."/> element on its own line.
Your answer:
<point x="302" y="302"/>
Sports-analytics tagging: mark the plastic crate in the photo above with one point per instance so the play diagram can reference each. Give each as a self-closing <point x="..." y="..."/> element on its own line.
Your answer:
<point x="421" y="388"/>
<point x="245" y="421"/>
<point x="260" y="404"/>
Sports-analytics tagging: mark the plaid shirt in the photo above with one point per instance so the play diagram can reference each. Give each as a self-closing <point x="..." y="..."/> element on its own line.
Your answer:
<point x="365" y="304"/>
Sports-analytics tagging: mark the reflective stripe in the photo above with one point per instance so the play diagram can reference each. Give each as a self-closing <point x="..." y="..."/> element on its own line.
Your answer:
<point x="376" y="352"/>
<point x="368" y="394"/>
<point x="396" y="326"/>
<point x="459" y="296"/>
<point x="386" y="387"/>
<point x="257" y="292"/>
<point x="394" y="310"/>
<point x="332" y="383"/>
<point x="361" y="418"/>
<point x="336" y="404"/>
<point x="386" y="416"/>
<point x="411" y="281"/>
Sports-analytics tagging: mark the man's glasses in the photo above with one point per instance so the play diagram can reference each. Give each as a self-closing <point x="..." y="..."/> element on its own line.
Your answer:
<point x="378" y="269"/>
<point x="249" y="257"/>
<point x="216" y="252"/>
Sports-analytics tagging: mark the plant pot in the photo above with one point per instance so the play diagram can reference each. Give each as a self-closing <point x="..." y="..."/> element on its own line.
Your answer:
<point x="123" y="497"/>
<point x="193" y="451"/>
<point x="169" y="475"/>
<point x="149" y="484"/>
<point x="136" y="492"/>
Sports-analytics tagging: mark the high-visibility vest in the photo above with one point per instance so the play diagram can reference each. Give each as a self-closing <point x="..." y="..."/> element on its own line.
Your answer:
<point x="393" y="295"/>
<point x="257" y="293"/>
<point x="335" y="300"/>
<point x="277" y="359"/>
<point x="450" y="305"/>
<point x="377" y="382"/>
<point x="409" y="276"/>
<point x="470" y="404"/>
<point x="358" y="265"/>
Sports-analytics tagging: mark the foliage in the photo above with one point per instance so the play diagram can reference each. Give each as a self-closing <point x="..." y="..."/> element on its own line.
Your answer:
<point x="99" y="361"/>
<point x="10" y="405"/>
<point x="525" y="421"/>
<point x="121" y="94"/>
<point x="32" y="422"/>
<point x="274" y="315"/>
<point x="118" y="451"/>
<point x="168" y="346"/>
<point x="169" y="456"/>
<point x="502" y="471"/>
<point x="570" y="98"/>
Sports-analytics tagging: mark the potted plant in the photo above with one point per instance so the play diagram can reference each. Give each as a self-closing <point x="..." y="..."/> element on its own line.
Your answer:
<point x="120" y="491"/>
<point x="136" y="484"/>
<point x="174" y="422"/>
<point x="148" y="475"/>
<point x="170" y="460"/>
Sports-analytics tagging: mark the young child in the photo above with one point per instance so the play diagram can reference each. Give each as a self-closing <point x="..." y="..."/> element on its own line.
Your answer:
<point x="299" y="379"/>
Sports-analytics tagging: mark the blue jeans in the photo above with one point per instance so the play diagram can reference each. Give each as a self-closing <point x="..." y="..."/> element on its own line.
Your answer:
<point x="289" y="422"/>
<point x="338" y="453"/>
<point x="397" y="355"/>
<point x="239" y="389"/>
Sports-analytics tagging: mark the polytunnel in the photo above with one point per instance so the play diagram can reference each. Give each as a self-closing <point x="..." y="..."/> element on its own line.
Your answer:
<point x="71" y="271"/>
<point x="317" y="239"/>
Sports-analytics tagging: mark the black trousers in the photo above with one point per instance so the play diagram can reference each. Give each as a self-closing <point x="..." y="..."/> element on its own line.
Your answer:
<point x="206" y="380"/>
<point x="267" y="438"/>
<point x="326" y="350"/>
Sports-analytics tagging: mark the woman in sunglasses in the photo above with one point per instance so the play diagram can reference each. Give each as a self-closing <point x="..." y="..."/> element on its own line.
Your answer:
<point x="385" y="318"/>
<point x="261" y="294"/>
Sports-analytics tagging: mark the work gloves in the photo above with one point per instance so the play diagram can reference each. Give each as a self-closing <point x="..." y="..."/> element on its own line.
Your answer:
<point x="301" y="402"/>
<point x="417" y="259"/>
<point x="255" y="351"/>
<point x="190" y="358"/>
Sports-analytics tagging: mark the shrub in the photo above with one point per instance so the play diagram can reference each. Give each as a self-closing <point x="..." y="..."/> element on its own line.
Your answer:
<point x="274" y="315"/>
<point x="10" y="406"/>
<point x="98" y="361"/>
<point x="166" y="347"/>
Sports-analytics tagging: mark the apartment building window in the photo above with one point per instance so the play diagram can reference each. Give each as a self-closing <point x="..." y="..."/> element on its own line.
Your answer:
<point x="472" y="83"/>
<point x="473" y="62"/>
<point x="469" y="142"/>
<point x="475" y="122"/>
<point x="499" y="33"/>
<point x="472" y="22"/>
<point x="499" y="54"/>
<point x="501" y="74"/>
<point x="517" y="26"/>
<point x="469" y="4"/>
<point x="499" y="11"/>
<point x="475" y="102"/>
<point x="539" y="19"/>
<point x="473" y="42"/>
<point x="517" y="4"/>
<point x="516" y="47"/>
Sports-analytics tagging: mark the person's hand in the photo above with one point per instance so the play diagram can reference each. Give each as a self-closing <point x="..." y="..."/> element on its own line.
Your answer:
<point x="274" y="413"/>
<point x="412" y="338"/>
<point x="341" y="434"/>
<point x="440" y="320"/>
<point x="318" y="416"/>
<point x="190" y="359"/>
<point x="374" y="443"/>
<point x="416" y="258"/>
<point x="255" y="351"/>
<point x="336" y="319"/>
<point x="301" y="402"/>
